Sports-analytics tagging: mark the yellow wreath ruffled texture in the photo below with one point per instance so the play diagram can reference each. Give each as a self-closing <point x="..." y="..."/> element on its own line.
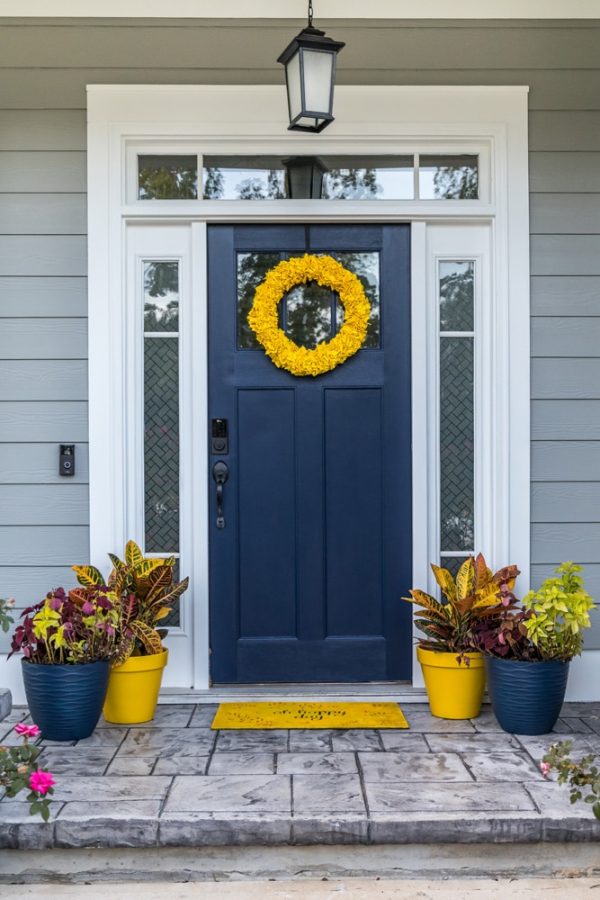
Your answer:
<point x="263" y="318"/>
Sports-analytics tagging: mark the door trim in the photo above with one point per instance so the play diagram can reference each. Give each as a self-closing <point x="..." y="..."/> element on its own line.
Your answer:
<point x="119" y="117"/>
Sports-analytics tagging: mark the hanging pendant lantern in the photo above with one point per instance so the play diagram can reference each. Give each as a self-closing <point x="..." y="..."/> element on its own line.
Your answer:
<point x="309" y="62"/>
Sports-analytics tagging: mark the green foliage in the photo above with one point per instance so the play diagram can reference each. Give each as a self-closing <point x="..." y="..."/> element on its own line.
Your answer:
<point x="474" y="596"/>
<point x="147" y="594"/>
<point x="560" y="610"/>
<point x="6" y="618"/>
<point x="582" y="776"/>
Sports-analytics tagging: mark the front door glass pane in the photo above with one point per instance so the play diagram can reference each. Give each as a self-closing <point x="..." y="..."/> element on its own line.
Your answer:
<point x="309" y="313"/>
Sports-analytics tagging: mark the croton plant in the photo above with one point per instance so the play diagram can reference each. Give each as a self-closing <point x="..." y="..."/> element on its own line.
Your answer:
<point x="148" y="593"/>
<point x="476" y="595"/>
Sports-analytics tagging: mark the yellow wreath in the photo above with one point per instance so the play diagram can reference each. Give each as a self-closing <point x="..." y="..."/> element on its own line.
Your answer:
<point x="263" y="318"/>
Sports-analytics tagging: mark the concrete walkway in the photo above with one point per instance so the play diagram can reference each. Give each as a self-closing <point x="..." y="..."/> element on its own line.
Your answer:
<point x="176" y="783"/>
<point x="361" y="889"/>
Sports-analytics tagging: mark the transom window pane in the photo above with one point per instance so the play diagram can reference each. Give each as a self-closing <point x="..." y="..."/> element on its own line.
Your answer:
<point x="167" y="177"/>
<point x="448" y="177"/>
<point x="308" y="178"/>
<point x="457" y="410"/>
<point x="309" y="313"/>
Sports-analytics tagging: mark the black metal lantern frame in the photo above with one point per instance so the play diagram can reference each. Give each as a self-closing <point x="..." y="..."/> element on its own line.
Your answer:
<point x="310" y="40"/>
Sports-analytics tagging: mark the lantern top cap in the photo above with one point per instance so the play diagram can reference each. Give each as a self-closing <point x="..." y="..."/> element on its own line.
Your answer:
<point x="311" y="38"/>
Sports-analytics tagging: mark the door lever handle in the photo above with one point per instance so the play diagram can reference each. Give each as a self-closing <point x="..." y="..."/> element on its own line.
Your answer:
<point x="220" y="475"/>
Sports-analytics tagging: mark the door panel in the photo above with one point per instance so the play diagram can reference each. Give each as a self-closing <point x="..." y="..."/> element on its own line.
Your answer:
<point x="316" y="550"/>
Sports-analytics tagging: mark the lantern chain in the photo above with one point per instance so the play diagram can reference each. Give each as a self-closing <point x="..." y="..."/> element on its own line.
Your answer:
<point x="310" y="13"/>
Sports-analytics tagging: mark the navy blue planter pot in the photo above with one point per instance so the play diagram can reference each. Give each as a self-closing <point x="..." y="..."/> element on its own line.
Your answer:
<point x="526" y="696"/>
<point x="66" y="701"/>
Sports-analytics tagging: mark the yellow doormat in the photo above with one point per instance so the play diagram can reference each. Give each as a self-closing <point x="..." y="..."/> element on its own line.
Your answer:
<point x="309" y="715"/>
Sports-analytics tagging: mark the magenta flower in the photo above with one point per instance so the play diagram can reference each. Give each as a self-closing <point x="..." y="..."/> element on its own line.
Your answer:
<point x="27" y="731"/>
<point x="545" y="769"/>
<point x="41" y="782"/>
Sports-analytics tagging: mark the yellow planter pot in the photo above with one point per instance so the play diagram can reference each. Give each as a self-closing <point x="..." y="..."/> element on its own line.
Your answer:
<point x="455" y="690"/>
<point x="133" y="689"/>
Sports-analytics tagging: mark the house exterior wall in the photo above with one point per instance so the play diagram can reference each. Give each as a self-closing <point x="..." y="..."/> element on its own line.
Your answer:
<point x="46" y="66"/>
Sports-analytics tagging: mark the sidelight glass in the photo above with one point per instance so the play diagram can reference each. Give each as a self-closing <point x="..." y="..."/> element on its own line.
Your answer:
<point x="161" y="410"/>
<point x="457" y="407"/>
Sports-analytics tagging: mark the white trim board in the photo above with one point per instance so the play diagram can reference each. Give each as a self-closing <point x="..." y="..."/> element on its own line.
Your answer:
<point x="296" y="9"/>
<point x="124" y="119"/>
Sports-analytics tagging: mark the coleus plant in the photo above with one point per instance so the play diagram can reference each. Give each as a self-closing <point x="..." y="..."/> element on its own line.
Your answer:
<point x="474" y="596"/>
<point x="147" y="594"/>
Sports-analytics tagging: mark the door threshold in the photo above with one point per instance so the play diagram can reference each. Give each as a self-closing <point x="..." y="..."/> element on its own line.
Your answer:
<point x="375" y="692"/>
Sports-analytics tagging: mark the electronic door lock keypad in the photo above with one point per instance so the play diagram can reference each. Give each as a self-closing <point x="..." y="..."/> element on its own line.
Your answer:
<point x="219" y="440"/>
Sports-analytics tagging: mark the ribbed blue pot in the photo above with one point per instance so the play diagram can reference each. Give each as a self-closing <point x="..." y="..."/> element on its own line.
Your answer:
<point x="526" y="696"/>
<point x="66" y="701"/>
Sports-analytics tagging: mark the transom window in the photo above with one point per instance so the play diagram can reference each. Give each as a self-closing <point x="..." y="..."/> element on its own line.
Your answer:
<point x="414" y="176"/>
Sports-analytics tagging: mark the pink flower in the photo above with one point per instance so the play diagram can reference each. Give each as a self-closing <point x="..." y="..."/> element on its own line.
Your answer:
<point x="27" y="731"/>
<point x="545" y="769"/>
<point x="41" y="782"/>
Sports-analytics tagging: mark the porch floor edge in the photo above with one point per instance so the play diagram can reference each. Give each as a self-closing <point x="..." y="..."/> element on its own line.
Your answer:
<point x="375" y="692"/>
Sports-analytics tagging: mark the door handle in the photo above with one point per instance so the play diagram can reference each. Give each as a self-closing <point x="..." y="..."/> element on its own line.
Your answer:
<point x="220" y="475"/>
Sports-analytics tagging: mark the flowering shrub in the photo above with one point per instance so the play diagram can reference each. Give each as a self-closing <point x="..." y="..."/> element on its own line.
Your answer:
<point x="76" y="628"/>
<point x="580" y="776"/>
<point x="19" y="771"/>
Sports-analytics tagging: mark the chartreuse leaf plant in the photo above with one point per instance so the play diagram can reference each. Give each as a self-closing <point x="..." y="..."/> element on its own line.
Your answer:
<point x="147" y="592"/>
<point x="557" y="614"/>
<point x="473" y="596"/>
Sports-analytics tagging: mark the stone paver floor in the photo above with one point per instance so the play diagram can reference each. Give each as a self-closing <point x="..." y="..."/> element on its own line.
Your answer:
<point x="175" y="782"/>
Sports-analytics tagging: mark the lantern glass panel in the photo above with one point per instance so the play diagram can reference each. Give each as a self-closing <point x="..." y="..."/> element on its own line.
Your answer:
<point x="318" y="76"/>
<point x="294" y="86"/>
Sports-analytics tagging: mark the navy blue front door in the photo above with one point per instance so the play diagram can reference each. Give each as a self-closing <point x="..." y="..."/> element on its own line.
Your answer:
<point x="307" y="570"/>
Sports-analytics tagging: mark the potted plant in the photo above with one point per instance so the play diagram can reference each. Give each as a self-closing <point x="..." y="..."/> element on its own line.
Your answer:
<point x="528" y="651"/>
<point x="146" y="592"/>
<point x="453" y="669"/>
<point x="67" y="642"/>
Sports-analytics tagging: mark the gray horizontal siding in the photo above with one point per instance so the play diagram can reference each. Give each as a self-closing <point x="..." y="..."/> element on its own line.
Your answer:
<point x="42" y="255"/>
<point x="552" y="542"/>
<point x="577" y="173"/>
<point x="65" y="421"/>
<point x="43" y="545"/>
<point x="43" y="339"/>
<point x="556" y="420"/>
<point x="42" y="172"/>
<point x="41" y="504"/>
<point x="370" y="45"/>
<point x="565" y="213"/>
<point x="565" y="379"/>
<point x="43" y="214"/>
<point x="566" y="461"/>
<point x="565" y="295"/>
<point x="42" y="129"/>
<point x="51" y="379"/>
<point x="565" y="501"/>
<point x="44" y="72"/>
<point x="37" y="463"/>
<point x="565" y="254"/>
<point x="565" y="336"/>
<point x="28" y="584"/>
<point x="31" y="297"/>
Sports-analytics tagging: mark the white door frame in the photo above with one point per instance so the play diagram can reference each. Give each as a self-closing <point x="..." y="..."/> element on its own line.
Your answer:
<point x="492" y="121"/>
